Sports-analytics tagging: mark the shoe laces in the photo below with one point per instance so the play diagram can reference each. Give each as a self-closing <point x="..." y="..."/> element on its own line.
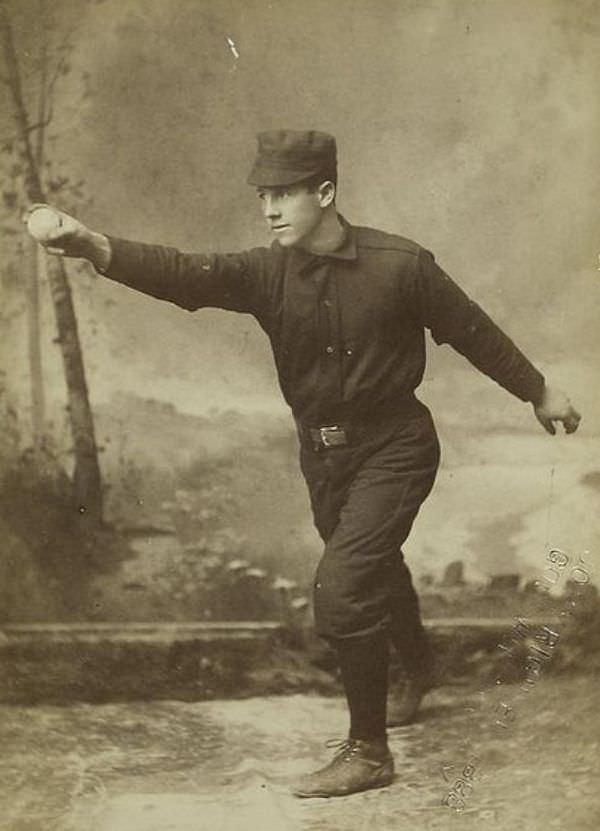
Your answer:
<point x="345" y="748"/>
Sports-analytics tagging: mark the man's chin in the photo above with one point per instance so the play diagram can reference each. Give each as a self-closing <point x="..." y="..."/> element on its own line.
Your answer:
<point x="286" y="240"/>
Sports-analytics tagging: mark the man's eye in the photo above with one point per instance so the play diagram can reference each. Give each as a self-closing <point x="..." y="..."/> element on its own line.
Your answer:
<point x="275" y="194"/>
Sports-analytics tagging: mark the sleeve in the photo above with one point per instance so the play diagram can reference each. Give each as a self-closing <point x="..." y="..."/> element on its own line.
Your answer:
<point x="454" y="318"/>
<point x="192" y="281"/>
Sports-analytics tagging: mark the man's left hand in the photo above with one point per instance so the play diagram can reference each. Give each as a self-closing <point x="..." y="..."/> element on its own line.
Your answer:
<point x="555" y="406"/>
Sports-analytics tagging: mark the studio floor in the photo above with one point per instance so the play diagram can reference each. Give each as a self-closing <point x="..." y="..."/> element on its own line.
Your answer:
<point x="227" y="765"/>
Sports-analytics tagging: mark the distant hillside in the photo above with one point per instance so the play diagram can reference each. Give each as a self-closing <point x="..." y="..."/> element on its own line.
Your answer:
<point x="244" y="466"/>
<point x="501" y="499"/>
<point x="157" y="433"/>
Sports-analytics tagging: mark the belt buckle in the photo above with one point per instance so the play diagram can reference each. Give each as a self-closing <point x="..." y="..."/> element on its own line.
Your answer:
<point x="333" y="436"/>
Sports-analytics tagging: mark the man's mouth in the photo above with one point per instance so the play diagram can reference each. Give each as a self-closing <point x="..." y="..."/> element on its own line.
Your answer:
<point x="281" y="227"/>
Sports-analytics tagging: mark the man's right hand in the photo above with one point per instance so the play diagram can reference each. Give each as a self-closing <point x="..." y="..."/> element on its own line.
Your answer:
<point x="67" y="237"/>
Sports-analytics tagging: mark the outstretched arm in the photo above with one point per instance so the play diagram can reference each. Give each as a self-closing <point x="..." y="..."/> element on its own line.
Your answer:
<point x="190" y="280"/>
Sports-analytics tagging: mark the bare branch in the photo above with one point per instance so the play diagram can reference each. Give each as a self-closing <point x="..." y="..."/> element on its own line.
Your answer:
<point x="33" y="183"/>
<point x="63" y="49"/>
<point x="42" y="98"/>
<point x="50" y="113"/>
<point x="39" y="124"/>
<point x="58" y="69"/>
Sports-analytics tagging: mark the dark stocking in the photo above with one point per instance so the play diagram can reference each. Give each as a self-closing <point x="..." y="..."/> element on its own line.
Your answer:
<point x="364" y="665"/>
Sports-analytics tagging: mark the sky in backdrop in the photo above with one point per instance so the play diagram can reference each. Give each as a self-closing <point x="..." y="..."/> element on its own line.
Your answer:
<point x="471" y="127"/>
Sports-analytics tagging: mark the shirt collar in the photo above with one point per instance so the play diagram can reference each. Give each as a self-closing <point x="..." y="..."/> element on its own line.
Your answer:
<point x="347" y="250"/>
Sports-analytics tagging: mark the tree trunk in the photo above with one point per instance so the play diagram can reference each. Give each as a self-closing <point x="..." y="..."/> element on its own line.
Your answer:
<point x="87" y="484"/>
<point x="37" y="272"/>
<point x="37" y="265"/>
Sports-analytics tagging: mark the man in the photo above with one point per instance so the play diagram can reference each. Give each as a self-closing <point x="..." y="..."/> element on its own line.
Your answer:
<point x="345" y="309"/>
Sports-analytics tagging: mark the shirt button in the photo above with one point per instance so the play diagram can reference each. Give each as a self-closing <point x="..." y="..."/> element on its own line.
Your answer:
<point x="330" y="350"/>
<point x="348" y="352"/>
<point x="327" y="303"/>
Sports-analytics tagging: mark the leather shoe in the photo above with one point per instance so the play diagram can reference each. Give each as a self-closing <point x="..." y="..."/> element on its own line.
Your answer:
<point x="358" y="765"/>
<point x="405" y="699"/>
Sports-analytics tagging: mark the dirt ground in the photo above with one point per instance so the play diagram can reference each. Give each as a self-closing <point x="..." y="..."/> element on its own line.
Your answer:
<point x="226" y="765"/>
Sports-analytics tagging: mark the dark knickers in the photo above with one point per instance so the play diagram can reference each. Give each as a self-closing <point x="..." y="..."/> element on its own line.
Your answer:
<point x="365" y="498"/>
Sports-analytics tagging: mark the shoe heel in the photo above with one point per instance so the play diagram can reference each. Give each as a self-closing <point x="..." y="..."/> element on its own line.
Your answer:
<point x="386" y="774"/>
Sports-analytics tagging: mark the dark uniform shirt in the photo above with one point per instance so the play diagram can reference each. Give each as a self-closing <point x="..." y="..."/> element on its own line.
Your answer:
<point x="346" y="328"/>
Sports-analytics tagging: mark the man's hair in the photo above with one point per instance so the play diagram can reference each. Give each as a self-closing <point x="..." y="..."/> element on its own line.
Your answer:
<point x="327" y="174"/>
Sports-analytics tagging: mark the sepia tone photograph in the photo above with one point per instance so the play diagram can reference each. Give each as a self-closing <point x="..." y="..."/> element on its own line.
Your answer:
<point x="299" y="415"/>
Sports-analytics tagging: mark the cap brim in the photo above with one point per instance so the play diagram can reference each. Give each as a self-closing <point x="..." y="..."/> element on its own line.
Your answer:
<point x="269" y="177"/>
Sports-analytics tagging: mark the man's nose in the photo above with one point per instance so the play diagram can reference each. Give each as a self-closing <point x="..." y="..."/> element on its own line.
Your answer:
<point x="270" y="208"/>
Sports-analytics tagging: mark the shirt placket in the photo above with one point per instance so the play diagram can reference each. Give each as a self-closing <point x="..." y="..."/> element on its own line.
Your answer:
<point x="330" y="345"/>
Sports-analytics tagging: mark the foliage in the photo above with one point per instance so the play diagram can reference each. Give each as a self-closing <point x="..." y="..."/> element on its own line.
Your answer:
<point x="47" y="558"/>
<point x="171" y="552"/>
<point x="190" y="562"/>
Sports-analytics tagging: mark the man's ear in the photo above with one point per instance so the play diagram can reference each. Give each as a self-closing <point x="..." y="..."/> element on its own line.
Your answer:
<point x="326" y="193"/>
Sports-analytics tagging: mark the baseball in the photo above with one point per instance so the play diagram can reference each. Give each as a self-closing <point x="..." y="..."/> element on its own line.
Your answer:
<point x="43" y="223"/>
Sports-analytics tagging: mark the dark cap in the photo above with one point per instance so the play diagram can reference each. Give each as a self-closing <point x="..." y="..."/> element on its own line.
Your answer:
<point x="288" y="156"/>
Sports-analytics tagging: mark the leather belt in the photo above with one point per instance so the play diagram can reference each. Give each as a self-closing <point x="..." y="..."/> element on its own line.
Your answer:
<point x="334" y="435"/>
<point x="352" y="432"/>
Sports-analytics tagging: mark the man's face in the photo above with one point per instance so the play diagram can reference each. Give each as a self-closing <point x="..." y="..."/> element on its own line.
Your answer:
<point x="293" y="213"/>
